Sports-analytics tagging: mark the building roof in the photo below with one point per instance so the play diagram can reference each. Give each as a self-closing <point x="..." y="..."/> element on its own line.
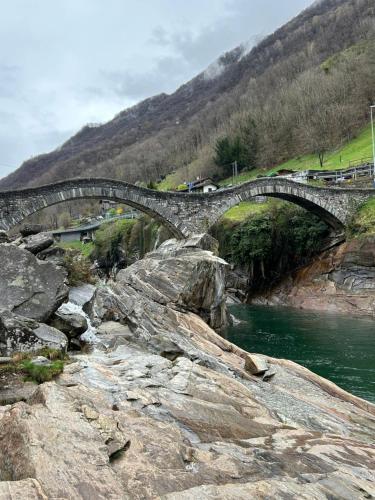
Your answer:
<point x="199" y="184"/>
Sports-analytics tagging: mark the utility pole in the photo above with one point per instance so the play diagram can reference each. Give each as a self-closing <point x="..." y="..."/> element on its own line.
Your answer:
<point x="373" y="139"/>
<point x="234" y="170"/>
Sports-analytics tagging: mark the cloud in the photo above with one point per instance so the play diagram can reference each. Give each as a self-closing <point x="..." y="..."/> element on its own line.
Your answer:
<point x="63" y="64"/>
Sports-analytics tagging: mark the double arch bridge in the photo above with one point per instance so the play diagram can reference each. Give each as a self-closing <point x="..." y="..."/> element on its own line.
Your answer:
<point x="185" y="213"/>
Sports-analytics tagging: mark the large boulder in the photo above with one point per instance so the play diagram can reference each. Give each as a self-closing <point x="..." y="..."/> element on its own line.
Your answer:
<point x="19" y="334"/>
<point x="38" y="242"/>
<point x="30" y="229"/>
<point x="161" y="295"/>
<point x="72" y="324"/>
<point x="56" y="255"/>
<point x="29" y="287"/>
<point x="186" y="275"/>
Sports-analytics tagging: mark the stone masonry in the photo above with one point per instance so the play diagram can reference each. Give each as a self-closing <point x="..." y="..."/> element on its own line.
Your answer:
<point x="184" y="213"/>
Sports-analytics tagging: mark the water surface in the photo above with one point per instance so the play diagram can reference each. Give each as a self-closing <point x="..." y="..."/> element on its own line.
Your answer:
<point x="338" y="347"/>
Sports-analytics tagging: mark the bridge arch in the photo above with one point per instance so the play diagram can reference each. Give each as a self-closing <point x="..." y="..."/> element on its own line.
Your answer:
<point x="311" y="201"/>
<point x="15" y="206"/>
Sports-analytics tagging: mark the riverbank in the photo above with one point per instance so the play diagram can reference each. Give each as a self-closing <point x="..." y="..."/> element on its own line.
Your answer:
<point x="341" y="280"/>
<point x="163" y="407"/>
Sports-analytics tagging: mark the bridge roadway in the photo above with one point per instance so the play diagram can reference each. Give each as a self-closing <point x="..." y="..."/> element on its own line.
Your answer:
<point x="185" y="213"/>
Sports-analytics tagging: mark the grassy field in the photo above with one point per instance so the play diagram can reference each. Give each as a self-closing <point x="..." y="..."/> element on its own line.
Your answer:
<point x="84" y="248"/>
<point x="244" y="210"/>
<point x="358" y="148"/>
<point x="355" y="150"/>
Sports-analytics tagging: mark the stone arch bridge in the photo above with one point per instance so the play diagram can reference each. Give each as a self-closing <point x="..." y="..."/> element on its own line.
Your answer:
<point x="184" y="213"/>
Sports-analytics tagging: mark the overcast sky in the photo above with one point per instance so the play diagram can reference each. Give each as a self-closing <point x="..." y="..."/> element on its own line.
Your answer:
<point x="65" y="63"/>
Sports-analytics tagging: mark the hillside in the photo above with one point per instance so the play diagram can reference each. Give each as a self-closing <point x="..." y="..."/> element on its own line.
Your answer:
<point x="178" y="132"/>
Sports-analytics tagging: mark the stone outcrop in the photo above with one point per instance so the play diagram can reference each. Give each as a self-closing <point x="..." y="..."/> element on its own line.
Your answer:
<point x="28" y="286"/>
<point x="340" y="280"/>
<point x="20" y="334"/>
<point x="180" y="275"/>
<point x="163" y="407"/>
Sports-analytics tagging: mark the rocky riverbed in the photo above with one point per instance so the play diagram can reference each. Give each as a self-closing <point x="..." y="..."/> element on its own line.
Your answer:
<point x="159" y="405"/>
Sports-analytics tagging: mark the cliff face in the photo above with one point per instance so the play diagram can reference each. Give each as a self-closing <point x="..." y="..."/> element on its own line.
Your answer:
<point x="163" y="407"/>
<point x="340" y="280"/>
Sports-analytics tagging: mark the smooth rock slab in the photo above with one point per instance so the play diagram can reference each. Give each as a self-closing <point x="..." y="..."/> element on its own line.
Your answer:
<point x="26" y="489"/>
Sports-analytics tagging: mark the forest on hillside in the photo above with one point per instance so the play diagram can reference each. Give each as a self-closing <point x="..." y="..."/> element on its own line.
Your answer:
<point x="305" y="89"/>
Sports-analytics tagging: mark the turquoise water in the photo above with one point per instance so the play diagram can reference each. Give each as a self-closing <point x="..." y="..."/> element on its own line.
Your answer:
<point x="337" y="347"/>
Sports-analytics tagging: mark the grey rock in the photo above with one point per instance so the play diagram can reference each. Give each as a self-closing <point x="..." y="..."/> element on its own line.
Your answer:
<point x="192" y="426"/>
<point x="55" y="255"/>
<point x="14" y="390"/>
<point x="41" y="361"/>
<point x="30" y="229"/>
<point x="182" y="275"/>
<point x="47" y="336"/>
<point x="71" y="324"/>
<point x="255" y="365"/>
<point x="38" y="242"/>
<point x="270" y="373"/>
<point x="5" y="360"/>
<point x="4" y="238"/>
<point x="19" y="334"/>
<point x="29" y="287"/>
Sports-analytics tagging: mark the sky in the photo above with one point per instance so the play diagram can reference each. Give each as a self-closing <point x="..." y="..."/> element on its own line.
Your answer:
<point x="66" y="63"/>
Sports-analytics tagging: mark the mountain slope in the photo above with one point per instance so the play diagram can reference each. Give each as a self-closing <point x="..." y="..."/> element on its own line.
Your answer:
<point x="165" y="132"/>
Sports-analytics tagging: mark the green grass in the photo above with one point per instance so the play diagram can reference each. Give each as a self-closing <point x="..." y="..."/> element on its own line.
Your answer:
<point x="358" y="148"/>
<point x="169" y="183"/>
<point x="40" y="373"/>
<point x="244" y="209"/>
<point x="22" y="364"/>
<point x="84" y="248"/>
<point x="363" y="223"/>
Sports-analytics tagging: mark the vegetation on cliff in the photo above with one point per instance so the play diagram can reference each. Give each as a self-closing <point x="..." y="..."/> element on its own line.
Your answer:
<point x="271" y="242"/>
<point x="363" y="223"/>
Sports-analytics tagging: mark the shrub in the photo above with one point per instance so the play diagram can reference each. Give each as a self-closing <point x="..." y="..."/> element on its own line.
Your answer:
<point x="42" y="373"/>
<point x="78" y="267"/>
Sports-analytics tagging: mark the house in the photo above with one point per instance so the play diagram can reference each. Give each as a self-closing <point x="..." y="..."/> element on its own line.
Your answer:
<point x="206" y="185"/>
<point x="77" y="233"/>
<point x="87" y="231"/>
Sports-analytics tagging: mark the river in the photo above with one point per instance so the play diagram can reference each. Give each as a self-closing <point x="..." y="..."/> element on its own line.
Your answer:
<point x="338" y="347"/>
